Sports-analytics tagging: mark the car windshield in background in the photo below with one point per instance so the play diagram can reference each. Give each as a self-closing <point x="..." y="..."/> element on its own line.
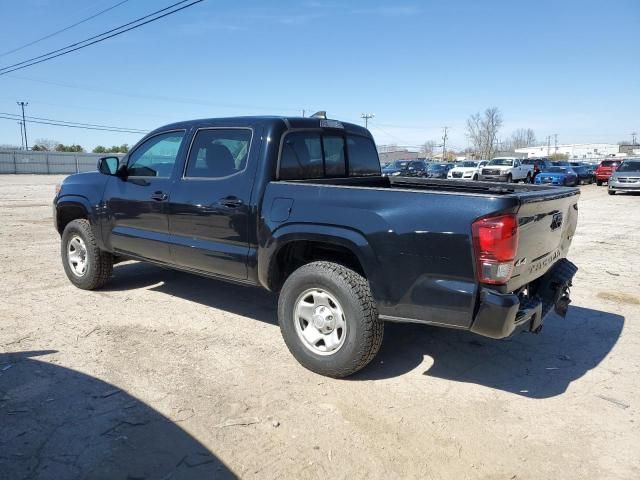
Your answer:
<point x="610" y="163"/>
<point x="501" y="161"/>
<point x="558" y="170"/>
<point x="436" y="167"/>
<point x="628" y="166"/>
<point x="399" y="164"/>
<point x="467" y="164"/>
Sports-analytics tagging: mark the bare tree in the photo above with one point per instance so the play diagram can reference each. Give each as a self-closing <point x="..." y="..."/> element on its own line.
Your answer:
<point x="482" y="131"/>
<point x="45" y="144"/>
<point x="522" y="137"/>
<point x="427" y="148"/>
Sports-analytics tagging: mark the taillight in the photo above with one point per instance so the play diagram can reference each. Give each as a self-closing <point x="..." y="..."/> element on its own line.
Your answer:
<point x="495" y="241"/>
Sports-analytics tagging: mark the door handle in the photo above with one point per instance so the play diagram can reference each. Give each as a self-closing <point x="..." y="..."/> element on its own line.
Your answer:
<point x="231" y="202"/>
<point x="159" y="196"/>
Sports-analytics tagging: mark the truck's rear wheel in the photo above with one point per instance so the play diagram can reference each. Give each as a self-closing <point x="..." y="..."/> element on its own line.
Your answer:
<point x="329" y="319"/>
<point x="599" y="183"/>
<point x="509" y="178"/>
<point x="86" y="266"/>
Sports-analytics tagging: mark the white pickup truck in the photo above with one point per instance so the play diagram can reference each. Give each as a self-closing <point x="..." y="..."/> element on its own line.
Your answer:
<point x="506" y="169"/>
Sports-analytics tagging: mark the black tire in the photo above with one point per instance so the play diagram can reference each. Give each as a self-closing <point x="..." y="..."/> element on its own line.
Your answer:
<point x="599" y="183"/>
<point x="528" y="179"/>
<point x="475" y="177"/>
<point x="99" y="264"/>
<point x="509" y="178"/>
<point x="364" y="330"/>
<point x="611" y="192"/>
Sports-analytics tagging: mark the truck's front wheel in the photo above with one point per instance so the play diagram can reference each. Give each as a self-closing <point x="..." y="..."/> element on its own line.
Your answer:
<point x="329" y="320"/>
<point x="86" y="266"/>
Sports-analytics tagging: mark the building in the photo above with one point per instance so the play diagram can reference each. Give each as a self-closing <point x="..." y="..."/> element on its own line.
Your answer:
<point x="393" y="155"/>
<point x="632" y="150"/>
<point x="577" y="151"/>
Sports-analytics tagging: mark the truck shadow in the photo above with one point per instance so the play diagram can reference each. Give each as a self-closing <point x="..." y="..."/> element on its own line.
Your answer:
<point x="60" y="423"/>
<point x="534" y="366"/>
<point x="251" y="302"/>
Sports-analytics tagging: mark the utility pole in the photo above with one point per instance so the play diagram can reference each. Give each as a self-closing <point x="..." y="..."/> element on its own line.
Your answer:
<point x="21" y="136"/>
<point x="24" y="123"/>
<point x="548" y="145"/>
<point x="555" y="135"/>
<point x="303" y="112"/>
<point x="633" y="138"/>
<point x="444" y="143"/>
<point x="366" y="117"/>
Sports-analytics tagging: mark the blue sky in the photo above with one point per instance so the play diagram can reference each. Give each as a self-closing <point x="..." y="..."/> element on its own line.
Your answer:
<point x="566" y="67"/>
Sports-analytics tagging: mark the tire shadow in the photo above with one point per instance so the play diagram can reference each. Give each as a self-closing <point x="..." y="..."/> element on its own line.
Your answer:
<point x="61" y="424"/>
<point x="534" y="366"/>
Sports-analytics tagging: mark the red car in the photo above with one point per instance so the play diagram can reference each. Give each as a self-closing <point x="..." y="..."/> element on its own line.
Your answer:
<point x="605" y="169"/>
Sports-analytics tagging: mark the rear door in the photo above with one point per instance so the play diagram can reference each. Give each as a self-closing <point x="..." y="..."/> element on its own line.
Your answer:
<point x="136" y="210"/>
<point x="209" y="207"/>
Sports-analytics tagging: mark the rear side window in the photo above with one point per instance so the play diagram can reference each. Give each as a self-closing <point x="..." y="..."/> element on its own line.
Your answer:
<point x="218" y="152"/>
<point x="334" y="158"/>
<point x="363" y="156"/>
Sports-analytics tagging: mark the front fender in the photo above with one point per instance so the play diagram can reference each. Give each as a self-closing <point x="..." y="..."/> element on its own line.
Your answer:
<point x="345" y="237"/>
<point x="77" y="202"/>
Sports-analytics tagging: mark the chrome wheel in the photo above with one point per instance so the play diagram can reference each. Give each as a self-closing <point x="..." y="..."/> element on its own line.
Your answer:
<point x="77" y="256"/>
<point x="319" y="321"/>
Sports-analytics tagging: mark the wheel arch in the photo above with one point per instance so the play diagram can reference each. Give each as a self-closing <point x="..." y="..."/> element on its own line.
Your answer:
<point x="295" y="245"/>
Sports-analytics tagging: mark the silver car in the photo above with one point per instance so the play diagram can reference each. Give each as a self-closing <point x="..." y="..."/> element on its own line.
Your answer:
<point x="626" y="178"/>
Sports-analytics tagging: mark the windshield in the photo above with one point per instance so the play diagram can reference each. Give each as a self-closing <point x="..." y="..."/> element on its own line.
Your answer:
<point x="501" y="161"/>
<point x="467" y="164"/>
<point x="436" y="166"/>
<point x="558" y="170"/>
<point x="610" y="163"/>
<point x="399" y="164"/>
<point x="630" y="166"/>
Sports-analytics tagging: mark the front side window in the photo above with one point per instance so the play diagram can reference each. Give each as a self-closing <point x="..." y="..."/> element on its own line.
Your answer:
<point x="156" y="156"/>
<point x="218" y="152"/>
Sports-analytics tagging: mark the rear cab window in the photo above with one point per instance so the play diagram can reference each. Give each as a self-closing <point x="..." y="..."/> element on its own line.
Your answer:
<point x="323" y="153"/>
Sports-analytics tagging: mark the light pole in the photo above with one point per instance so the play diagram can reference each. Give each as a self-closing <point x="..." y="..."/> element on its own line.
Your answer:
<point x="366" y="117"/>
<point x="24" y="123"/>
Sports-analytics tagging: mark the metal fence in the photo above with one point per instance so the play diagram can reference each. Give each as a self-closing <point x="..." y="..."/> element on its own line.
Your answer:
<point x="20" y="161"/>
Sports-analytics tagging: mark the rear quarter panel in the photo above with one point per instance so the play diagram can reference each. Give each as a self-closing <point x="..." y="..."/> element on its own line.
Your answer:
<point x="414" y="246"/>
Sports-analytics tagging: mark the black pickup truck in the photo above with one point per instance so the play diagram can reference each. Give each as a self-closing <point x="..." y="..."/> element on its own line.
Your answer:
<point x="299" y="206"/>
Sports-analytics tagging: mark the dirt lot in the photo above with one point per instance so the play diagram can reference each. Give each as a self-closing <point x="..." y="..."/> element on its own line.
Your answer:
<point x="165" y="375"/>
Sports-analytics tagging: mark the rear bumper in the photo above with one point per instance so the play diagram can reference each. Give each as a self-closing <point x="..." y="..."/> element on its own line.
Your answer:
<point x="500" y="315"/>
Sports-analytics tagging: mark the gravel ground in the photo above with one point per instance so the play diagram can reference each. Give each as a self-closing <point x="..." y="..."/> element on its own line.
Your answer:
<point x="166" y="375"/>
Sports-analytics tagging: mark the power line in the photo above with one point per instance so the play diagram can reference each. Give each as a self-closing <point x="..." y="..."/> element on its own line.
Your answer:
<point x="57" y="124"/>
<point x="79" y="123"/>
<point x="63" y="30"/>
<point x="82" y="44"/>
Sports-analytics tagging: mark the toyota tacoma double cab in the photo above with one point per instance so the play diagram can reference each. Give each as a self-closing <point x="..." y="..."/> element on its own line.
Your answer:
<point x="298" y="206"/>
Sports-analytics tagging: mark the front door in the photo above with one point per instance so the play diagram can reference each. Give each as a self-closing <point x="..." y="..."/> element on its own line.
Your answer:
<point x="209" y="207"/>
<point x="136" y="206"/>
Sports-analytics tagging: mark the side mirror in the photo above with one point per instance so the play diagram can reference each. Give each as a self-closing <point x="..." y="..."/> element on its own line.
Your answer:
<point x="108" y="165"/>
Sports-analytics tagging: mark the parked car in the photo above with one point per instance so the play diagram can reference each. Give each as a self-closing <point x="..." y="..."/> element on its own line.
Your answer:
<point x="395" y="168"/>
<point x="585" y="174"/>
<point x="298" y="206"/>
<point x="605" y="170"/>
<point x="438" y="170"/>
<point x="538" y="165"/>
<point x="406" y="168"/>
<point x="506" y="169"/>
<point x="626" y="178"/>
<point x="557" y="176"/>
<point x="465" y="170"/>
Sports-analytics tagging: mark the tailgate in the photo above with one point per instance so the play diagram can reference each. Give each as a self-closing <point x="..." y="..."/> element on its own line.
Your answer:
<point x="547" y="223"/>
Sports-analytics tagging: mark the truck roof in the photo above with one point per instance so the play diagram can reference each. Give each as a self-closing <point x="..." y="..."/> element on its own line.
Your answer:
<point x="289" y="122"/>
